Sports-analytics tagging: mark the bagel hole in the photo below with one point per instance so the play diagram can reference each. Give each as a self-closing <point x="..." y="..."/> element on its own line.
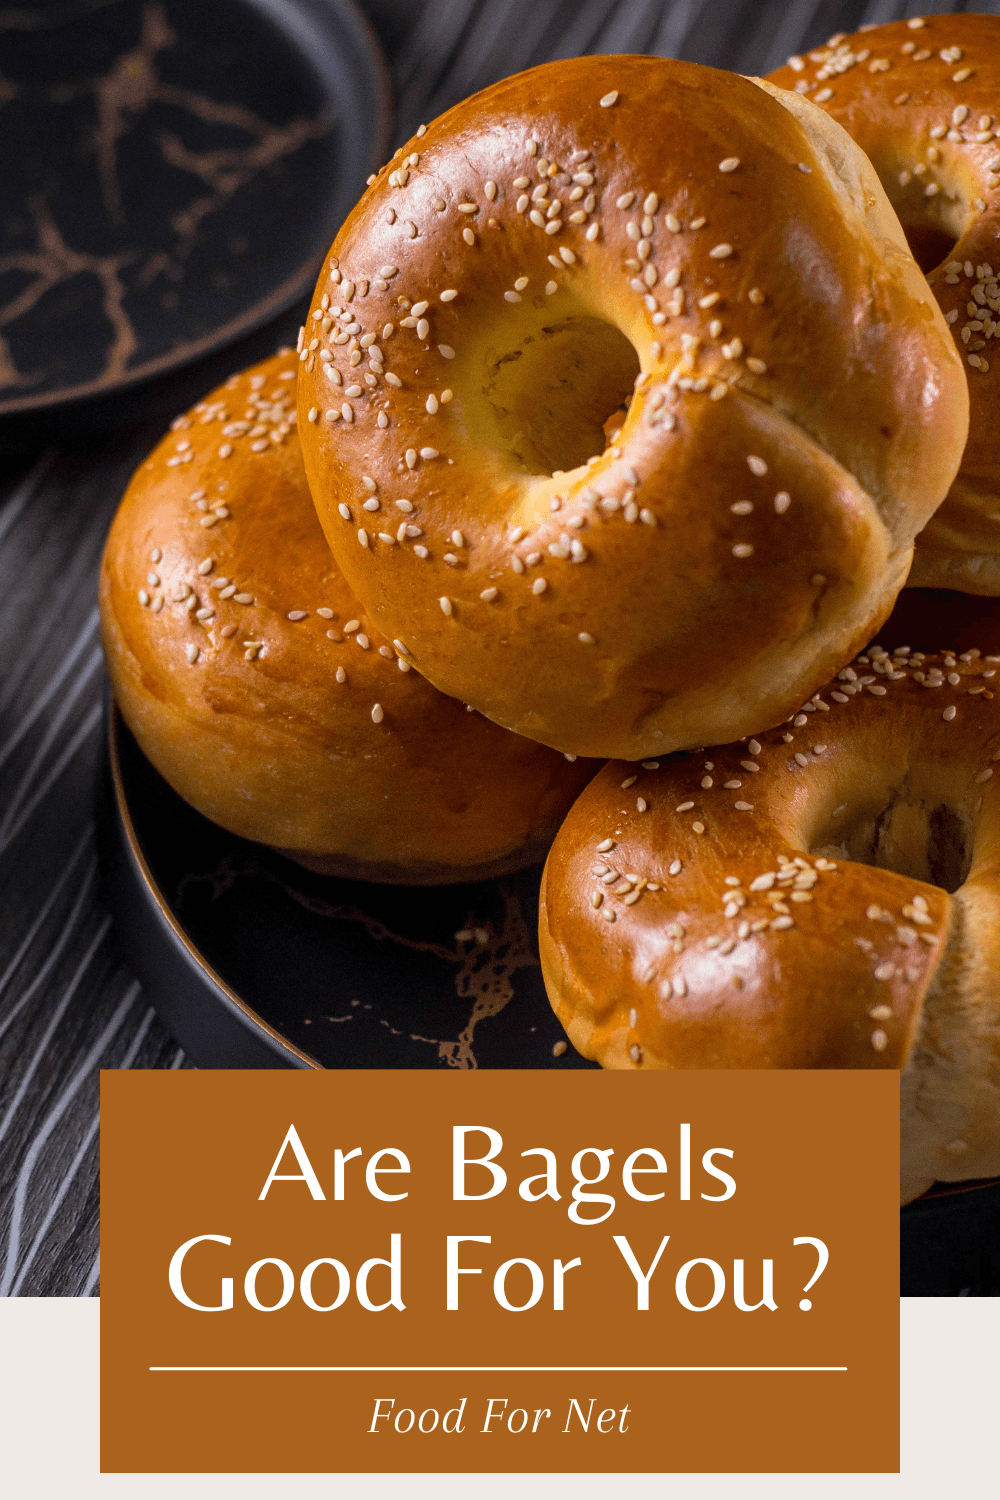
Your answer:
<point x="930" y="245"/>
<point x="551" y="399"/>
<point x="927" y="842"/>
<point x="932" y="226"/>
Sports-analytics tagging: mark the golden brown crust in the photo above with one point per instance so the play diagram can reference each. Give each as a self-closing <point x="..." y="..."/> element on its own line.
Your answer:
<point x="920" y="98"/>
<point x="656" y="597"/>
<point x="235" y="696"/>
<point x="785" y="902"/>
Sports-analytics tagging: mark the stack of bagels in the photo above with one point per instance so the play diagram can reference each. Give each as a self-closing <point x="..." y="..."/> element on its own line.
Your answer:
<point x="622" y="415"/>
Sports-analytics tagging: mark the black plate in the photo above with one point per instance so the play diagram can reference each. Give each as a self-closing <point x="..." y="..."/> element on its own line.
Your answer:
<point x="254" y="962"/>
<point x="174" y="171"/>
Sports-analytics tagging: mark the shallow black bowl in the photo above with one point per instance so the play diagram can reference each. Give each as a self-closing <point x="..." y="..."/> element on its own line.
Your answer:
<point x="255" y="963"/>
<point x="174" y="172"/>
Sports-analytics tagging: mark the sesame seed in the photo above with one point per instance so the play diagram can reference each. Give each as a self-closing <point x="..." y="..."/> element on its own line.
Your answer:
<point x="684" y="806"/>
<point x="743" y="549"/>
<point x="698" y="827"/>
<point x="720" y="252"/>
<point x="675" y="867"/>
<point x="446" y="352"/>
<point x="729" y="164"/>
<point x="192" y="652"/>
<point x="949" y="713"/>
<point x="879" y="1040"/>
<point x="609" y="99"/>
<point x="804" y="167"/>
<point x="378" y="714"/>
<point x="539" y="586"/>
<point x="446" y="604"/>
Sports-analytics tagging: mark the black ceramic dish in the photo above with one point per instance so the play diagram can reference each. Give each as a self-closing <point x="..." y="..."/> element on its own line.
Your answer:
<point x="255" y="963"/>
<point x="174" y="172"/>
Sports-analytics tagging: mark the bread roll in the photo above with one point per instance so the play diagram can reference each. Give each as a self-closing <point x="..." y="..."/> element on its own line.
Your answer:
<point x="920" y="97"/>
<point x="260" y="689"/>
<point x="826" y="895"/>
<point x="596" y="230"/>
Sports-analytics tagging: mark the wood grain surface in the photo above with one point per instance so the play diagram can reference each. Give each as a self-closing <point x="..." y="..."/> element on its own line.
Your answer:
<point x="68" y="1005"/>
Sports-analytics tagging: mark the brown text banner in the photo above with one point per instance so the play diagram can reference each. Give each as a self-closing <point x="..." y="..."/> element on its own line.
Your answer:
<point x="525" y="1272"/>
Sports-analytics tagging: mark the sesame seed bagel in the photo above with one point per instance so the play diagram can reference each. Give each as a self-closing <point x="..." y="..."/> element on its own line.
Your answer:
<point x="257" y="686"/>
<point x="826" y="895"/>
<point x="921" y="98"/>
<point x="534" y="261"/>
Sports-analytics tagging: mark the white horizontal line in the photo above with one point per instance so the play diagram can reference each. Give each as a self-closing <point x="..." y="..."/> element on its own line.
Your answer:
<point x="492" y="1369"/>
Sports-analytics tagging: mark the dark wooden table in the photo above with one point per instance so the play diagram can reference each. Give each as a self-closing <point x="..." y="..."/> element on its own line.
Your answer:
<point x="68" y="1004"/>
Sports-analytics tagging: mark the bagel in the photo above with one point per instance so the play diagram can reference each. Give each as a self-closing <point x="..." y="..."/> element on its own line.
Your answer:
<point x="256" y="685"/>
<point x="921" y="98"/>
<point x="826" y="895"/>
<point x="531" y="261"/>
